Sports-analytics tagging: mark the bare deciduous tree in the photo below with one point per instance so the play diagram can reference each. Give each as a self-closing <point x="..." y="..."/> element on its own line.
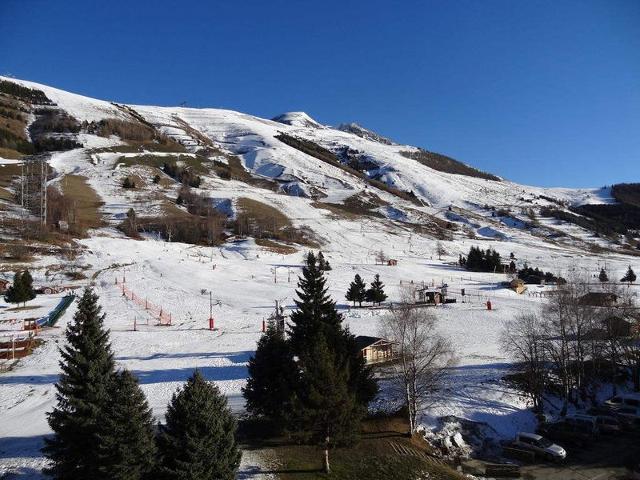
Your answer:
<point x="524" y="339"/>
<point x="423" y="357"/>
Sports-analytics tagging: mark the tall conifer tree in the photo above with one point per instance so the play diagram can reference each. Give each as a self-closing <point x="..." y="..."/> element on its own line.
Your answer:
<point x="126" y="435"/>
<point x="357" y="291"/>
<point x="316" y="313"/>
<point x="82" y="394"/>
<point x="376" y="294"/>
<point x="272" y="378"/>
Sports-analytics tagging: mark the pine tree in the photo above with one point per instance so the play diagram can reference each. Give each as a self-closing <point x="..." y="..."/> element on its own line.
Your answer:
<point x="82" y="394"/>
<point x="27" y="286"/>
<point x="630" y="276"/>
<point x="316" y="313"/>
<point x="357" y="291"/>
<point x="328" y="413"/>
<point x="272" y="378"/>
<point x="603" y="277"/>
<point x="376" y="294"/>
<point x="15" y="293"/>
<point x="198" y="440"/>
<point x="126" y="437"/>
<point x="323" y="264"/>
<point x="317" y="320"/>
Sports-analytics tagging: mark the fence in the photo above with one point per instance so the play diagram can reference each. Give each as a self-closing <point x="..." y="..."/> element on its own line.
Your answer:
<point x="158" y="312"/>
<point x="16" y="347"/>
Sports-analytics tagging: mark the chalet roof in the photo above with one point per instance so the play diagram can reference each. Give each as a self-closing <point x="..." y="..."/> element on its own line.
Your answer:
<point x="429" y="290"/>
<point x="364" y="341"/>
<point x="598" y="298"/>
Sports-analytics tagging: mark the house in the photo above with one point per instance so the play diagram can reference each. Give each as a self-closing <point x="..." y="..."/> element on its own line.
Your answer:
<point x="429" y="296"/>
<point x="4" y="285"/>
<point x="392" y="262"/>
<point x="517" y="285"/>
<point x="599" y="299"/>
<point x="375" y="349"/>
<point x="615" y="326"/>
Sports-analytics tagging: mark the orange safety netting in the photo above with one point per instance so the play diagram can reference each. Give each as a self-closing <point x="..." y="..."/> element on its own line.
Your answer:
<point x="158" y="312"/>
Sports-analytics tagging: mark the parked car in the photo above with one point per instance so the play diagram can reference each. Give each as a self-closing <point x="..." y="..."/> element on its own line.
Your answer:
<point x="582" y="422"/>
<point x="629" y="417"/>
<point x="540" y="446"/>
<point x="626" y="400"/>
<point x="570" y="434"/>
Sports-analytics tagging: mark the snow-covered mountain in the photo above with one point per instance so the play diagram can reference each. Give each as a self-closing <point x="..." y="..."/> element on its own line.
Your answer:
<point x="187" y="202"/>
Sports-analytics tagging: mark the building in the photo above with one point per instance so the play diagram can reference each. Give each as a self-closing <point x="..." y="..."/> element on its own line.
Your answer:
<point x="4" y="285"/>
<point x="392" y="262"/>
<point x="517" y="285"/>
<point x="599" y="299"/>
<point x="429" y="296"/>
<point x="375" y="349"/>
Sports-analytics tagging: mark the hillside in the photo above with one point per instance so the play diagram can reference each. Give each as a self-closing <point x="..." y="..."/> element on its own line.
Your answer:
<point x="172" y="207"/>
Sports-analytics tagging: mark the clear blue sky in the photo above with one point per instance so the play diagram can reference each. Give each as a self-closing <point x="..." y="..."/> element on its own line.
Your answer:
<point x="542" y="92"/>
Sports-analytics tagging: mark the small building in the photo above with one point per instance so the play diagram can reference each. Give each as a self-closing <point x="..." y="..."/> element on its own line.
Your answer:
<point x="392" y="262"/>
<point x="429" y="296"/>
<point x="599" y="299"/>
<point x="4" y="285"/>
<point x="375" y="349"/>
<point x="517" y="285"/>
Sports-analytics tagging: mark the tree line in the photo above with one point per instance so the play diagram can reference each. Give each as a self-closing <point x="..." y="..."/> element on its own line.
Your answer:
<point x="358" y="291"/>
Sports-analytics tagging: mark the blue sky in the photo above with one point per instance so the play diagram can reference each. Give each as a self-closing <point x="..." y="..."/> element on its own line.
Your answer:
<point x="540" y="92"/>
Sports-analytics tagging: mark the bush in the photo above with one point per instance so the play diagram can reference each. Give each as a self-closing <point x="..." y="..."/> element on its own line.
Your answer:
<point x="128" y="183"/>
<point x="182" y="175"/>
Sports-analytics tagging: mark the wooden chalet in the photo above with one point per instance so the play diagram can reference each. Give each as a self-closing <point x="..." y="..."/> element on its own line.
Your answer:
<point x="429" y="296"/>
<point x="599" y="299"/>
<point x="375" y="349"/>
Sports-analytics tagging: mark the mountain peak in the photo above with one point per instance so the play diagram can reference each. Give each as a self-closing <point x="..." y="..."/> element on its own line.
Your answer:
<point x="297" y="119"/>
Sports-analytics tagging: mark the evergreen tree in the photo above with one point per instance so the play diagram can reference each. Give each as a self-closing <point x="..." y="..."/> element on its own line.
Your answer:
<point x="272" y="378"/>
<point x="357" y="291"/>
<point x="82" y="394"/>
<point x="323" y="264"/>
<point x="316" y="320"/>
<point x="15" y="293"/>
<point x="126" y="443"/>
<point x="376" y="294"/>
<point x="603" y="277"/>
<point x="328" y="413"/>
<point x="27" y="286"/>
<point x="316" y="313"/>
<point x="630" y="276"/>
<point x="198" y="440"/>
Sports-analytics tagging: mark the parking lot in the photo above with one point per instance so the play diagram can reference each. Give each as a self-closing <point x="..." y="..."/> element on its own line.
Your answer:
<point x="609" y="457"/>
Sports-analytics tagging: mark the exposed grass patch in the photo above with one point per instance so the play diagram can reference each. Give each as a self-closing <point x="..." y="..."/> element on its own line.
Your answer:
<point x="373" y="458"/>
<point x="442" y="163"/>
<point x="361" y="204"/>
<point x="87" y="202"/>
<point x="260" y="220"/>
<point x="10" y="153"/>
<point x="8" y="173"/>
<point x="275" y="247"/>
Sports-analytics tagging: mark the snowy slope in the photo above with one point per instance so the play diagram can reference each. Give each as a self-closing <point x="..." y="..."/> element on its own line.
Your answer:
<point x="245" y="278"/>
